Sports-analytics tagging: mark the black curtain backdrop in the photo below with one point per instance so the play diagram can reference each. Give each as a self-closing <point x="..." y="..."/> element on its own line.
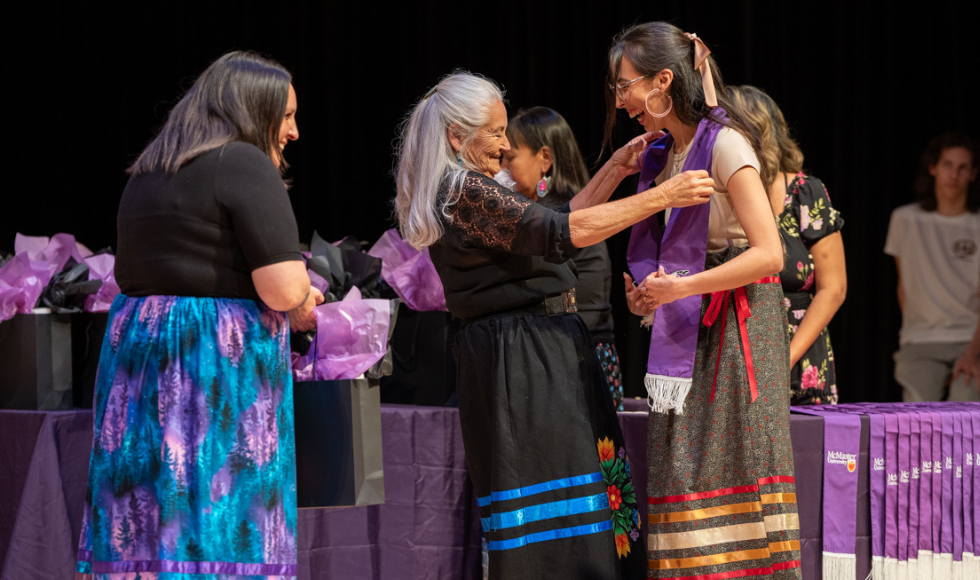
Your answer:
<point x="862" y="84"/>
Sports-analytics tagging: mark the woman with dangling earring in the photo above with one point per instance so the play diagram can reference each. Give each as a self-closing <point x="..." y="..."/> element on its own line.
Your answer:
<point x="545" y="165"/>
<point x="721" y="490"/>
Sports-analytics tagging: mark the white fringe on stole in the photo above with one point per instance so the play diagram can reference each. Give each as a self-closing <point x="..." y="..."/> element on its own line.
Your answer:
<point x="878" y="567"/>
<point x="925" y="565"/>
<point x="958" y="570"/>
<point x="903" y="570"/>
<point x="891" y="569"/>
<point x="913" y="568"/>
<point x="942" y="566"/>
<point x="971" y="565"/>
<point x="839" y="566"/>
<point x="665" y="393"/>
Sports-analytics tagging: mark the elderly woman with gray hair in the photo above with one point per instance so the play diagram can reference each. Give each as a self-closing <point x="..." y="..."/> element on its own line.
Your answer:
<point x="543" y="446"/>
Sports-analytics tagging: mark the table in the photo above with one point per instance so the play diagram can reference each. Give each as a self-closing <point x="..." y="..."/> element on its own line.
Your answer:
<point x="429" y="526"/>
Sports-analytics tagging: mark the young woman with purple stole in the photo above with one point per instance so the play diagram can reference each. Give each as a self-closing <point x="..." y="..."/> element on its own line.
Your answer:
<point x="722" y="499"/>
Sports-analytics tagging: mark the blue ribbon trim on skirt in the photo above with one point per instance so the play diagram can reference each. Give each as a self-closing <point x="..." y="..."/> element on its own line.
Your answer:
<point x="551" y="535"/>
<point x="545" y="511"/>
<point x="539" y="488"/>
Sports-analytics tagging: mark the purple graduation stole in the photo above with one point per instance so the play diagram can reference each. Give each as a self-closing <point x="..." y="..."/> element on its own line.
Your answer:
<point x="842" y="449"/>
<point x="904" y="486"/>
<point x="971" y="511"/>
<point x="681" y="250"/>
<point x="925" y="492"/>
<point x="891" y="496"/>
<point x="943" y="564"/>
<point x="915" y="475"/>
<point x="877" y="484"/>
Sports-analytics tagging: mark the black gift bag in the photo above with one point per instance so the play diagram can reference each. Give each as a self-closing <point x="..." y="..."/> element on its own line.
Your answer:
<point x="87" y="332"/>
<point x="338" y="443"/>
<point x="35" y="362"/>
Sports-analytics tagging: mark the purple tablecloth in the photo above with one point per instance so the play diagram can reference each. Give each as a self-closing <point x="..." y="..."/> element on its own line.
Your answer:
<point x="428" y="527"/>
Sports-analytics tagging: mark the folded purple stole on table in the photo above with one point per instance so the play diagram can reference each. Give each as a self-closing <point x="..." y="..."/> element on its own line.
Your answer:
<point x="877" y="484"/>
<point x="841" y="448"/>
<point x="971" y="566"/>
<point x="681" y="249"/>
<point x="904" y="482"/>
<point x="937" y="489"/>
<point x="971" y="496"/>
<point x="891" y="495"/>
<point x="915" y="428"/>
<point x="943" y="562"/>
<point x="925" y="496"/>
<point x="924" y="489"/>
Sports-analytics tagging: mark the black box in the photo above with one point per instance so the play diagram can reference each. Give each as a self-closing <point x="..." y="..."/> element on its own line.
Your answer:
<point x="35" y="362"/>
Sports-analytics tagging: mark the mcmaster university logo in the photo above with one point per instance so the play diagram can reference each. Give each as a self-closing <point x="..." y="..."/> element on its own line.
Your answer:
<point x="848" y="460"/>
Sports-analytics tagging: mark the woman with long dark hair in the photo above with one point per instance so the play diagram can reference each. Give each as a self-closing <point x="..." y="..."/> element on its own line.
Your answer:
<point x="192" y="468"/>
<point x="546" y="166"/>
<point x="720" y="482"/>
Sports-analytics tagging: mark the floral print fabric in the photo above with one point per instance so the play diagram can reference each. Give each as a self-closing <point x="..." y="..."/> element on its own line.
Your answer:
<point x="807" y="217"/>
<point x="609" y="360"/>
<point x="192" y="472"/>
<point x="622" y="495"/>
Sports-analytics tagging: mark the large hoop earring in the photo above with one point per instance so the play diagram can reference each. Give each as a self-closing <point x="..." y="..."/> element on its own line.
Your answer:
<point x="646" y="105"/>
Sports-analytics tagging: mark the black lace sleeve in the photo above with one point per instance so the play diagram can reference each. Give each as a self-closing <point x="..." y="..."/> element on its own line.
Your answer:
<point x="488" y="215"/>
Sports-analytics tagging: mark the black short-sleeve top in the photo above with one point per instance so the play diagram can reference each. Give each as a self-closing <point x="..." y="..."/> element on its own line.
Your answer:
<point x="501" y="251"/>
<point x="202" y="230"/>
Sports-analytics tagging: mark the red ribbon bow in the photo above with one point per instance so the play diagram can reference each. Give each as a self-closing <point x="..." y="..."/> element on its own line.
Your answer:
<point x="719" y="303"/>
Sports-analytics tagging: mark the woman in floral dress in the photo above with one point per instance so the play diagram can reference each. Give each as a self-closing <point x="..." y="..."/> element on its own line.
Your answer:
<point x="814" y="278"/>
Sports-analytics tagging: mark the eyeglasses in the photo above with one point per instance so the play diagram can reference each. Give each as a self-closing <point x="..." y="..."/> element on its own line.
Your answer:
<point x="621" y="88"/>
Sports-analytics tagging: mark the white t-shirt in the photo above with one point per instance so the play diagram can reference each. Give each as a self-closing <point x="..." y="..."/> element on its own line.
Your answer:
<point x="730" y="153"/>
<point x="939" y="260"/>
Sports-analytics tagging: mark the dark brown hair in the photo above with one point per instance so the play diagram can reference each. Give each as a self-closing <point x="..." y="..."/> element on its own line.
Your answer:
<point x="655" y="46"/>
<point x="241" y="97"/>
<point x="778" y="149"/>
<point x="540" y="126"/>
<point x="925" y="183"/>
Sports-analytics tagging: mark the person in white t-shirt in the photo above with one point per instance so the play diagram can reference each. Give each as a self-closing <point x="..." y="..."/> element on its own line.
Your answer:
<point x="936" y="246"/>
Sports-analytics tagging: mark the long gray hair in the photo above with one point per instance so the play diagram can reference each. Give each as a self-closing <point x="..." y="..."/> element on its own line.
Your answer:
<point x="242" y="96"/>
<point x="425" y="158"/>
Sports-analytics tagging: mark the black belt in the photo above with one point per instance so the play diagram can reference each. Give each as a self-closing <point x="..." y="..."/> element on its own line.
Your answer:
<point x="553" y="305"/>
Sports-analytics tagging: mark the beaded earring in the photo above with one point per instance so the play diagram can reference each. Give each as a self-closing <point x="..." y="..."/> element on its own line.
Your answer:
<point x="543" y="186"/>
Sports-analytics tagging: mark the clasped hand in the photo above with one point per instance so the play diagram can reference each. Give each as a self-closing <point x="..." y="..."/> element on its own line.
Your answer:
<point x="654" y="291"/>
<point x="303" y="318"/>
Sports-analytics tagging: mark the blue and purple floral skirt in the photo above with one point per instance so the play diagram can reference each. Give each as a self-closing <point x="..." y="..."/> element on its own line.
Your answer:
<point x="192" y="473"/>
